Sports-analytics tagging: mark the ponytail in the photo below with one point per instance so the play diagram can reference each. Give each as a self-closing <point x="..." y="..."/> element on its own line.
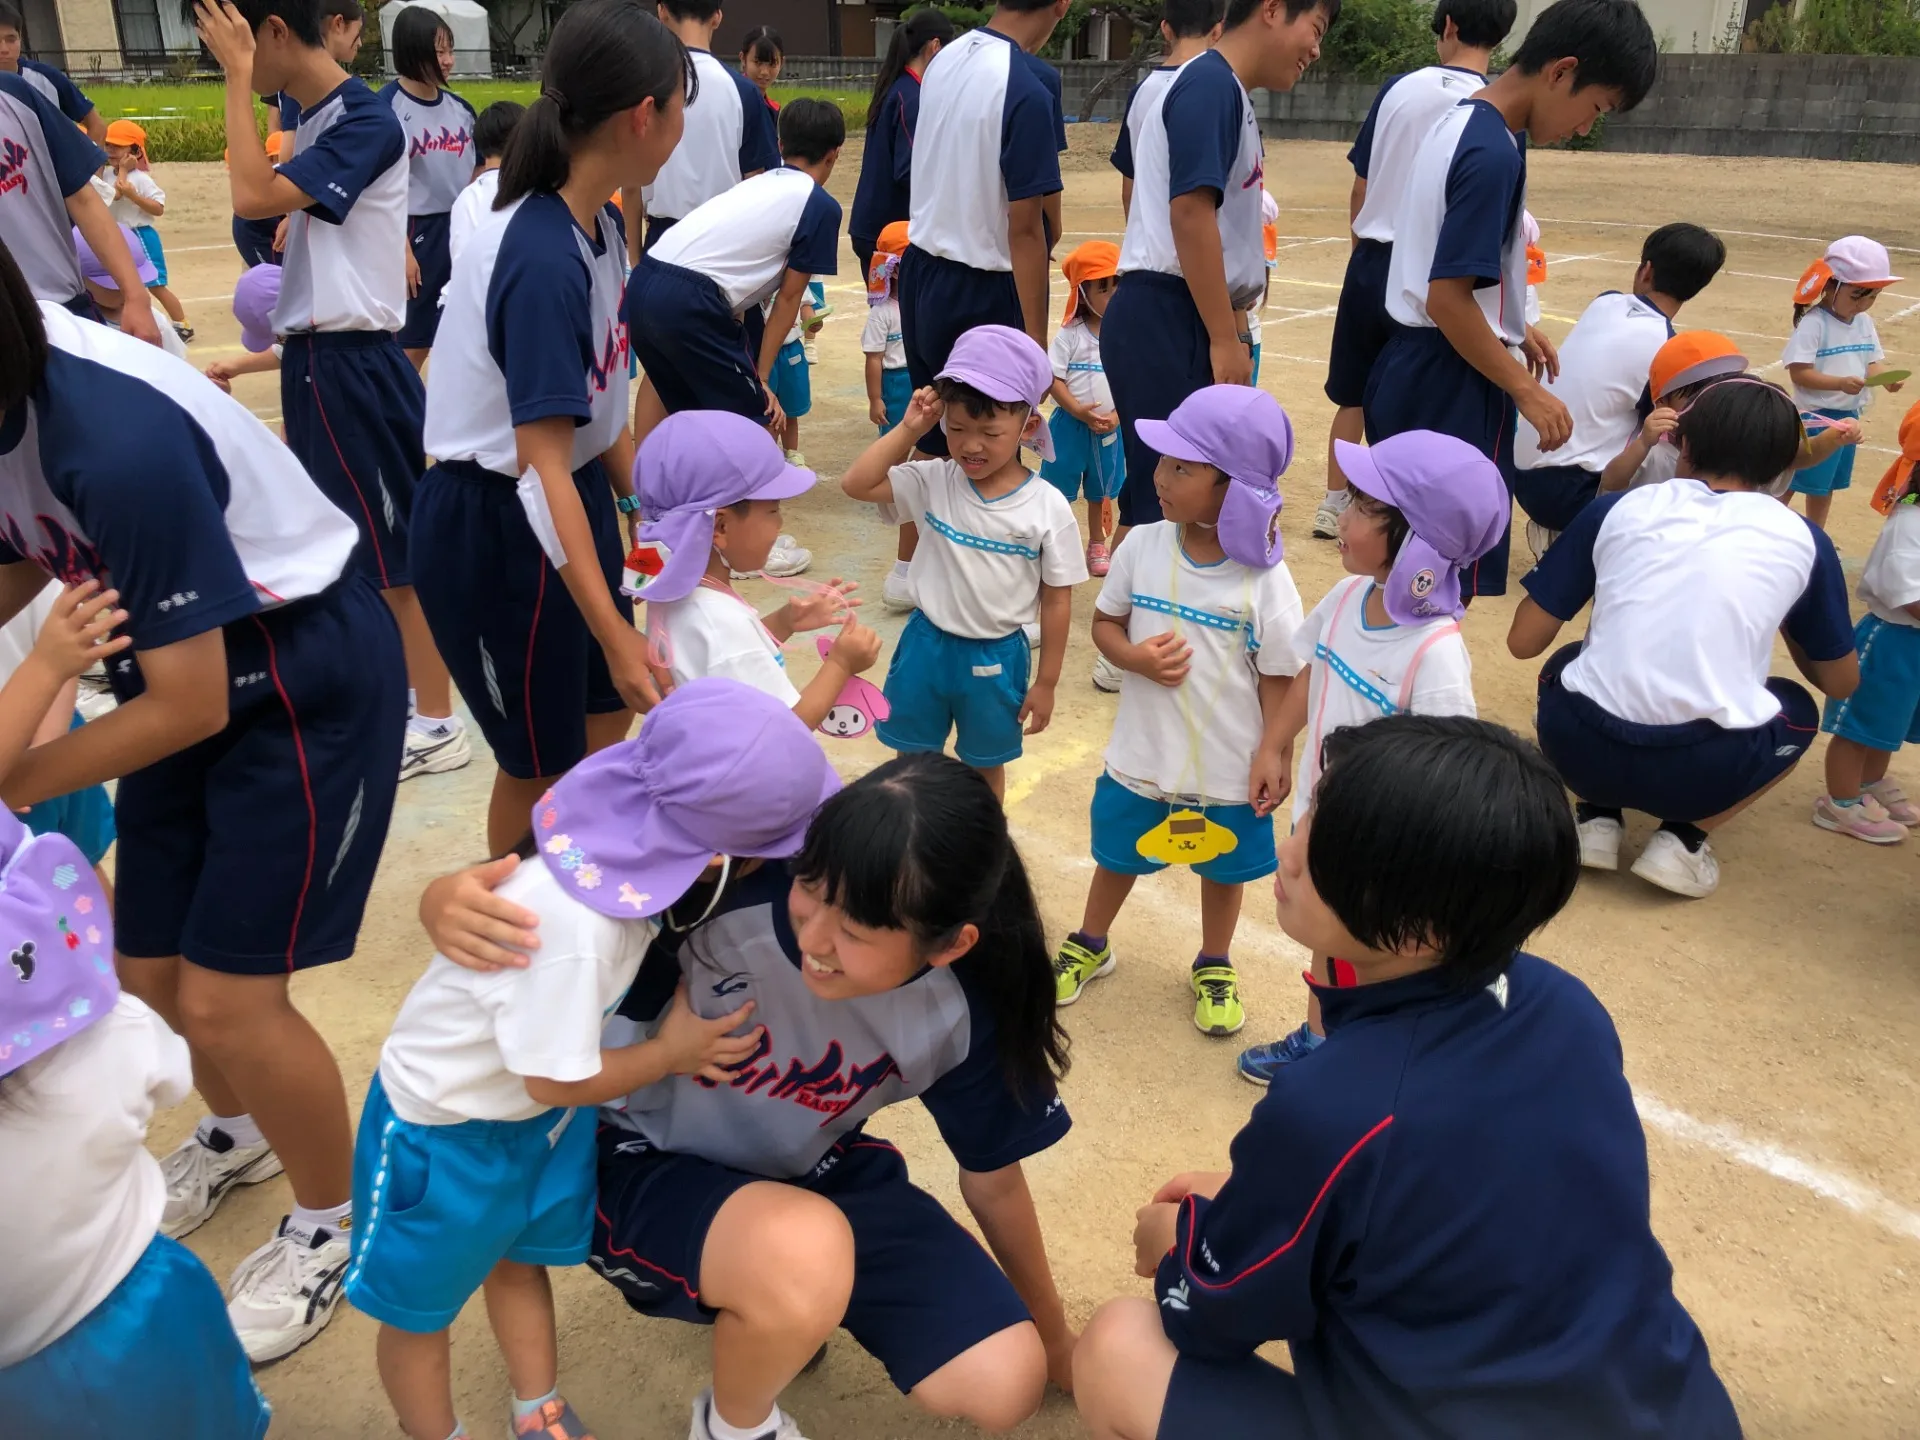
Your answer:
<point x="910" y="37"/>
<point x="605" y="56"/>
<point x="23" y="335"/>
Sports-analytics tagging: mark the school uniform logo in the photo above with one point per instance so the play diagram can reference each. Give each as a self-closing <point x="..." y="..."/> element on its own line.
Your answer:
<point x="1176" y="1298"/>
<point x="447" y="142"/>
<point x="13" y="165"/>
<point x="64" y="554"/>
<point x="830" y="1086"/>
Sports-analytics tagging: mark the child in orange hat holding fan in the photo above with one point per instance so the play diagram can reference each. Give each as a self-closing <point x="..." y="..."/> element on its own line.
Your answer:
<point x="1087" y="456"/>
<point x="135" y="200"/>
<point x="888" y="388"/>
<point x="1834" y="353"/>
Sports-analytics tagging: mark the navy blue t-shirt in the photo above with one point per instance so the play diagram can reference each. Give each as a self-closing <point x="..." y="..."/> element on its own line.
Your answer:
<point x="884" y="193"/>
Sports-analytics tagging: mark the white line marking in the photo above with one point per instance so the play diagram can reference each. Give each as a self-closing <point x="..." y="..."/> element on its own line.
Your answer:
<point x="1718" y="230"/>
<point x="1913" y="309"/>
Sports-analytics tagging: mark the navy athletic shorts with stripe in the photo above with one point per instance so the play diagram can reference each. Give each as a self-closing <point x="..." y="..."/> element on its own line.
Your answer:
<point x="940" y="300"/>
<point x="691" y="344"/>
<point x="1688" y="772"/>
<point x="1361" y="325"/>
<point x="503" y="620"/>
<point x="353" y="406"/>
<point x="1421" y="383"/>
<point x="254" y="240"/>
<point x="252" y="852"/>
<point x="428" y="234"/>
<point x="924" y="1291"/>
<point x="1553" y="495"/>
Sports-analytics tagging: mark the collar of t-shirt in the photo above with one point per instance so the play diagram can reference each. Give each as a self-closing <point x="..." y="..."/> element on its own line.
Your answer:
<point x="1427" y="989"/>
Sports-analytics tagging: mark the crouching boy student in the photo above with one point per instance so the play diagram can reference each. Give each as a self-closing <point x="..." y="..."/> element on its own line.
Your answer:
<point x="1002" y="550"/>
<point x="1199" y="612"/>
<point x="1372" y="1218"/>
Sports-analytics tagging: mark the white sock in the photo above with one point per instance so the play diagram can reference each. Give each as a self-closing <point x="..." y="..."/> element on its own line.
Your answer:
<point x="459" y="1431"/>
<point x="524" y="1408"/>
<point x="240" y="1129"/>
<point x="305" y="1222"/>
<point x="433" y="724"/>
<point x="902" y="567"/>
<point x="721" y="1430"/>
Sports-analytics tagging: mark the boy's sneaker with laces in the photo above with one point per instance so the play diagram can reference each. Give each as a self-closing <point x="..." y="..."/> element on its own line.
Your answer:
<point x="1668" y="863"/>
<point x="1075" y="965"/>
<point x="1866" y="819"/>
<point x="434" y="752"/>
<point x="787" y="560"/>
<point x="284" y="1293"/>
<point x="1326" y="520"/>
<point x="1216" y="1000"/>
<point x="1600" y="842"/>
<point x="1260" y="1063"/>
<point x="1892" y="799"/>
<point x="797" y="460"/>
<point x="783" y="1427"/>
<point x="554" y="1420"/>
<point x="811" y="349"/>
<point x="1099" y="559"/>
<point x="199" y="1174"/>
<point x="1106" y="675"/>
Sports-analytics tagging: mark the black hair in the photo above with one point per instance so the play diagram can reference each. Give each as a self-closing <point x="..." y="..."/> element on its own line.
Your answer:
<point x="921" y="844"/>
<point x="810" y="129"/>
<point x="12" y="19"/>
<point x="1241" y="11"/>
<point x="1610" y="41"/>
<point x="1396" y="523"/>
<point x="763" y="43"/>
<point x="977" y="403"/>
<point x="604" y="56"/>
<point x="343" y="10"/>
<point x="1684" y="257"/>
<point x="691" y="9"/>
<point x="1482" y="24"/>
<point x="23" y="335"/>
<point x="1190" y="18"/>
<point x="1445" y="832"/>
<point x="414" y="34"/>
<point x="301" y="17"/>
<point x="1749" y="432"/>
<point x="494" y="126"/>
<point x="910" y="37"/>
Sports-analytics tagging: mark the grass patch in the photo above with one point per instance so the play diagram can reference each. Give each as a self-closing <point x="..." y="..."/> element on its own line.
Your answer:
<point x="187" y="121"/>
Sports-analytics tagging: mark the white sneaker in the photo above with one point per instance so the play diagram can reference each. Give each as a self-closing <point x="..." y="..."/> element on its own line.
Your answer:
<point x="1668" y="863"/>
<point x="199" y="1175"/>
<point x="430" y="752"/>
<point x="1326" y="520"/>
<point x="1600" y="842"/>
<point x="897" y="594"/>
<point x="1106" y="675"/>
<point x="1539" y="538"/>
<point x="284" y="1293"/>
<point x="811" y="349"/>
<point x="784" y="1427"/>
<point x="787" y="560"/>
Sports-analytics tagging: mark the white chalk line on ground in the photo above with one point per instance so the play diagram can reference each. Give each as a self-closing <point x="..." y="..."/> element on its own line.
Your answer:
<point x="1718" y="230"/>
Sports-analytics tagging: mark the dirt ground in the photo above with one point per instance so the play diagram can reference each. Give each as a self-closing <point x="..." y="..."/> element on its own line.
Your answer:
<point x="1771" y="1032"/>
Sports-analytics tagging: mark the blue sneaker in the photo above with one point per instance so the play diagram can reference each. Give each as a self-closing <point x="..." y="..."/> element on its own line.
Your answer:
<point x="1260" y="1063"/>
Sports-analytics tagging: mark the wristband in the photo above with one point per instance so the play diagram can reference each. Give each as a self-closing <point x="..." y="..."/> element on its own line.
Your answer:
<point x="626" y="504"/>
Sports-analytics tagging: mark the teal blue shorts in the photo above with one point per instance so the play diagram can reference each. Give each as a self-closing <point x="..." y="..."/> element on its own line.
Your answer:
<point x="896" y="389"/>
<point x="792" y="386"/>
<point x="940" y="684"/>
<point x="1121" y="816"/>
<point x="1083" y="460"/>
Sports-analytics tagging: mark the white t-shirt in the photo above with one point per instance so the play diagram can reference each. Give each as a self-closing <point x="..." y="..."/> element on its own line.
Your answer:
<point x="727" y="132"/>
<point x="18" y="634"/>
<point x="1406" y="108"/>
<point x="981" y="563"/>
<point x="1361" y="673"/>
<point x="463" y="1041"/>
<point x="881" y="335"/>
<point x="120" y="207"/>
<point x="1196" y="741"/>
<point x="747" y="238"/>
<point x="1891" y="580"/>
<point x="470" y="207"/>
<point x="714" y="633"/>
<point x="1603" y="374"/>
<point x="1661" y="465"/>
<point x="1833" y="347"/>
<point x="82" y="1196"/>
<point x="1076" y="359"/>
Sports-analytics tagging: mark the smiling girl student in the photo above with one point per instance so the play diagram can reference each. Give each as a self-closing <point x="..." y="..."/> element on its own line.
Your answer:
<point x="899" y="954"/>
<point x="531" y="372"/>
<point x="440" y="161"/>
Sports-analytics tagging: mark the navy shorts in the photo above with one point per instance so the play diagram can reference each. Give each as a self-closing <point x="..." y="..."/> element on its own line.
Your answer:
<point x="1687" y="772"/>
<point x="1361" y="326"/>
<point x="436" y="1207"/>
<point x="1156" y="353"/>
<point x="352" y="406"/>
<point x="940" y="300"/>
<point x="924" y="1291"/>
<point x="252" y="852"/>
<point x="1884" y="712"/>
<point x="657" y="226"/>
<point x="1119" y="817"/>
<point x="691" y="344"/>
<point x="1553" y="494"/>
<point x="428" y="236"/>
<point x="1421" y="383"/>
<point x="940" y="685"/>
<point x="503" y="620"/>
<point x="254" y="240"/>
<point x="792" y="385"/>
<point x="1246" y="1399"/>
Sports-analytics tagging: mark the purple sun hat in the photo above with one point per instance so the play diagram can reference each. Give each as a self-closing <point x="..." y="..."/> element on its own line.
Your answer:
<point x="57" y="936"/>
<point x="1006" y="365"/>
<point x="719" y="768"/>
<point x="254" y="297"/>
<point x="692" y="464"/>
<point x="96" y="273"/>
<point x="1456" y="507"/>
<point x="1244" y="433"/>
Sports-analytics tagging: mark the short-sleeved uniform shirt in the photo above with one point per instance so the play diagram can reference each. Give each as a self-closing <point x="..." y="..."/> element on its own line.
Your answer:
<point x="1833" y="347"/>
<point x="1147" y="91"/>
<point x="440" y="153"/>
<point x="1689" y="587"/>
<point x="729" y="133"/>
<point x="1383" y="154"/>
<point x="121" y="207"/>
<point x="823" y="1067"/>
<point x="1602" y="382"/>
<point x="345" y="266"/>
<point x="981" y="563"/>
<point x="1075" y="353"/>
<point x="1461" y="218"/>
<point x="1891" y="580"/>
<point x="884" y="193"/>
<point x="1199" y="132"/>
<point x="711" y="632"/>
<point x="746" y="240"/>
<point x="533" y="328"/>
<point x="1196" y="741"/>
<point x="473" y="205"/>
<point x="881" y="335"/>
<point x="989" y="134"/>
<point x="43" y="160"/>
<point x="58" y="87"/>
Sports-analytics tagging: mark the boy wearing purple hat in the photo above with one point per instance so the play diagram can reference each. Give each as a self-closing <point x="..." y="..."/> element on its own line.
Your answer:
<point x="1386" y="640"/>
<point x="479" y="1079"/>
<point x="1199" y="611"/>
<point x="996" y="551"/>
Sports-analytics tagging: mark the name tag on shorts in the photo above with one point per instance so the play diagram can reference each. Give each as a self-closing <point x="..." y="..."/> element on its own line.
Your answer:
<point x="984" y="671"/>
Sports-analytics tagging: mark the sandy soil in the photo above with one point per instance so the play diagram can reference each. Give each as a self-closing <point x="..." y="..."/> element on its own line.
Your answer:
<point x="1771" y="1032"/>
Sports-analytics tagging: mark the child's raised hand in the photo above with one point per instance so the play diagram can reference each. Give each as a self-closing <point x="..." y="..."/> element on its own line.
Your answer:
<point x="1163" y="659"/>
<point x="1659" y="423"/>
<point x="227" y="34"/>
<point x="693" y="1045"/>
<point x="828" y="605"/>
<point x="856" y="648"/>
<point x="79" y="631"/>
<point x="923" y="411"/>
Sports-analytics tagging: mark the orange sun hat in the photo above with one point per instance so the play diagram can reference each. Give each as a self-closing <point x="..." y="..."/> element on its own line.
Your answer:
<point x="1893" y="484"/>
<point x="1690" y="357"/>
<point x="887" y="249"/>
<point x="1091" y="260"/>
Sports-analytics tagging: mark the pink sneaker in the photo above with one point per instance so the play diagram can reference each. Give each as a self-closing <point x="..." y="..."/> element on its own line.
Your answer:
<point x="1097" y="559"/>
<point x="1893" y="800"/>
<point x="1866" y="821"/>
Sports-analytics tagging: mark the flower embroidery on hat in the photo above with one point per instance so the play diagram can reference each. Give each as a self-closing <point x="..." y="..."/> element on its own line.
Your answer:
<point x="559" y="844"/>
<point x="548" y="818"/>
<point x="587" y="877"/>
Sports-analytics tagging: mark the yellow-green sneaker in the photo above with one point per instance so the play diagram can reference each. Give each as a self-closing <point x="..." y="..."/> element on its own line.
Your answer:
<point x="1216" y="1000"/>
<point x="1075" y="965"/>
